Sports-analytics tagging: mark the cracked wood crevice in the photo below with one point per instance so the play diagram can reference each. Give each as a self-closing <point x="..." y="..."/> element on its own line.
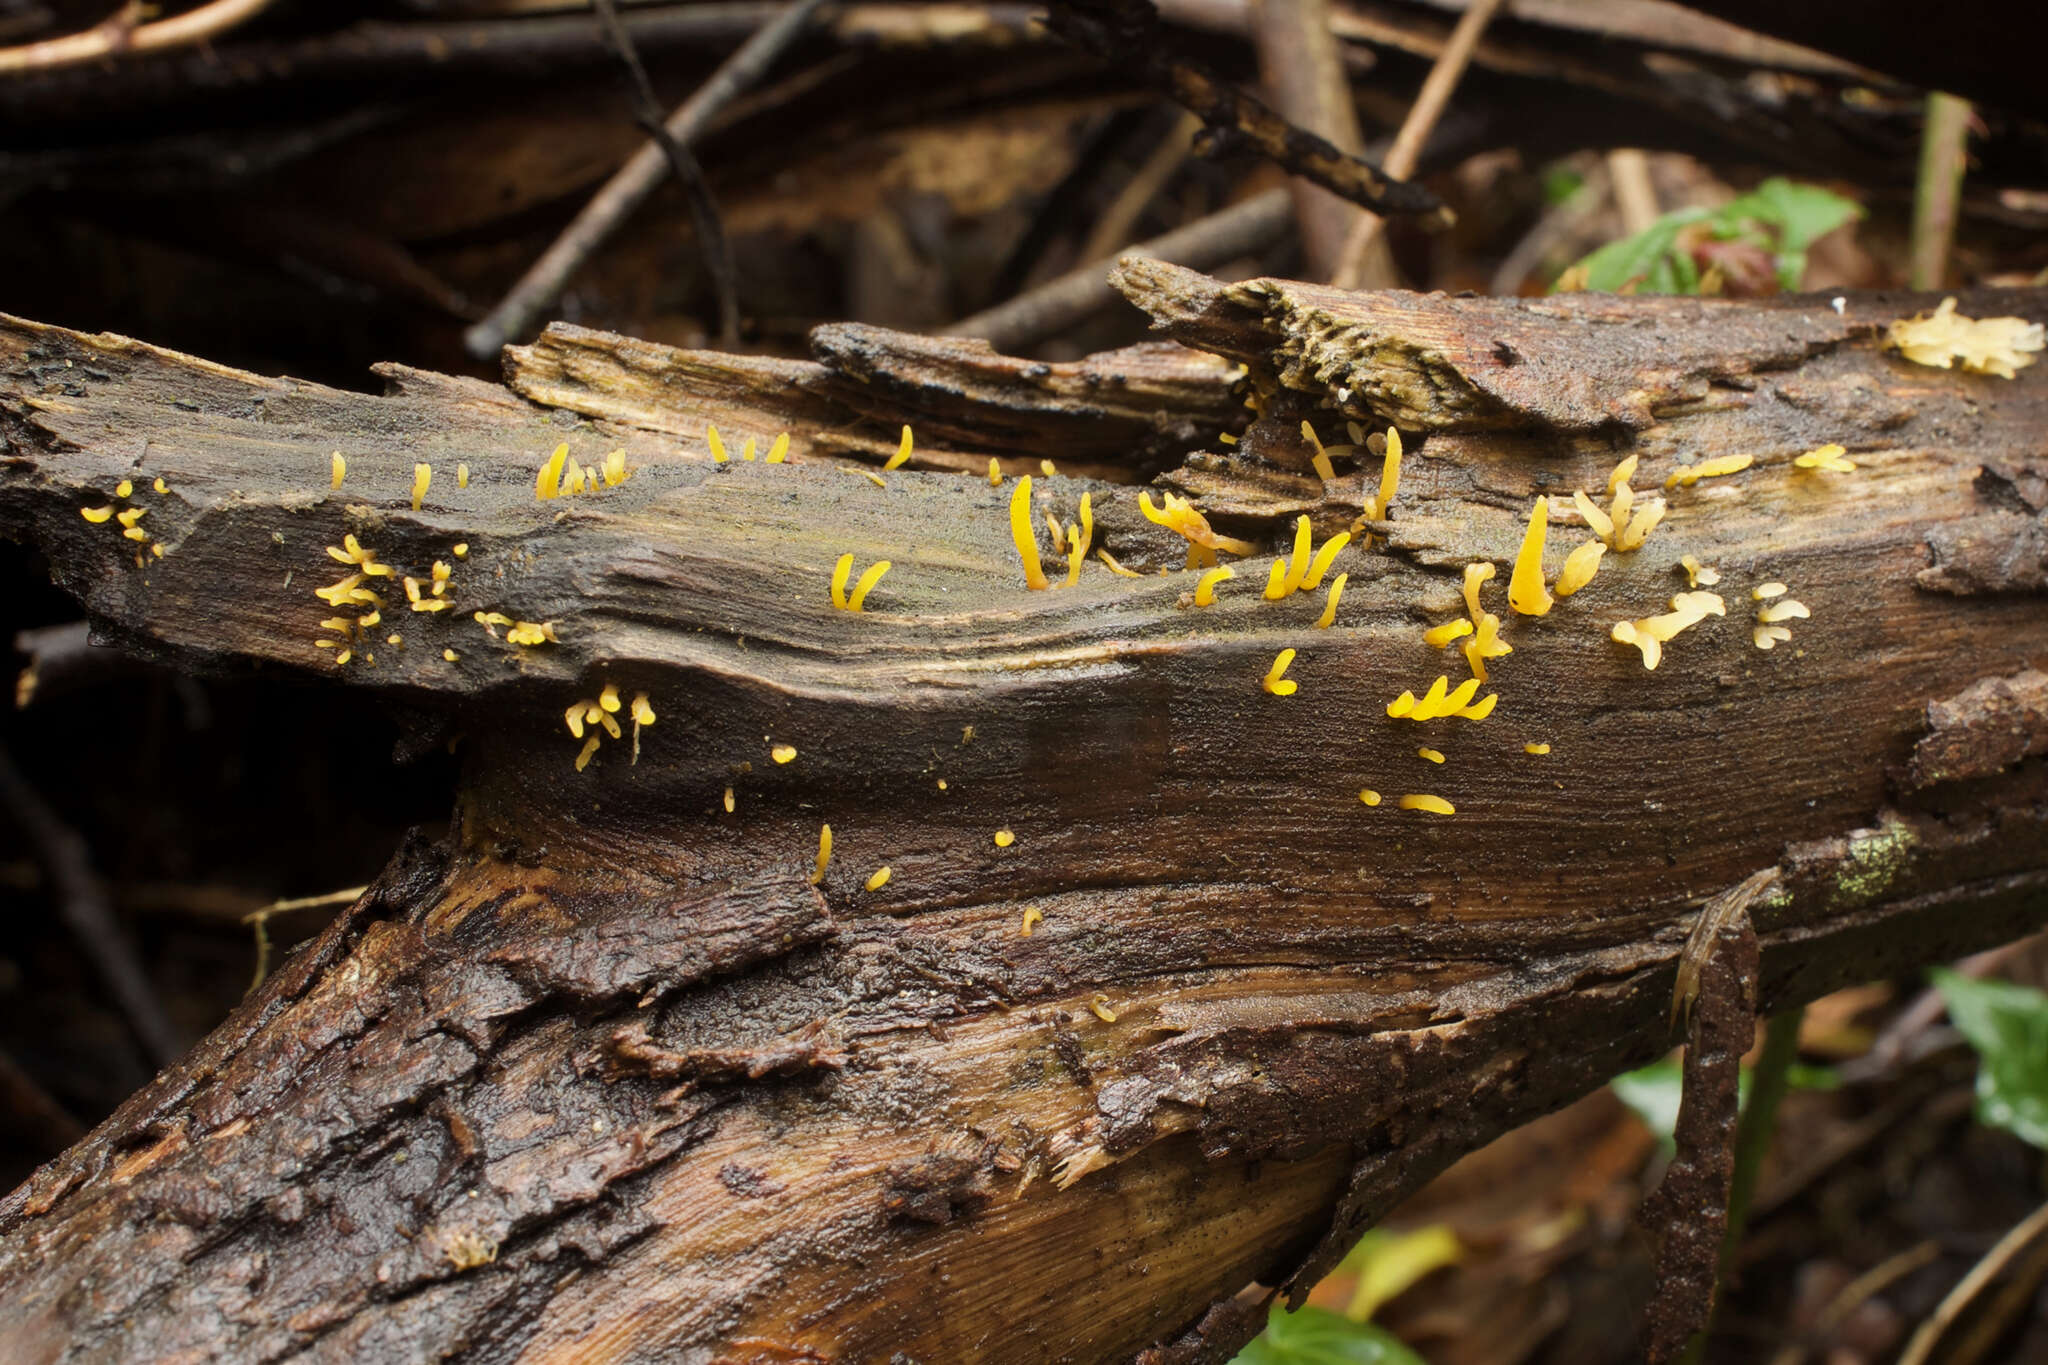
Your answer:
<point x="601" y="1076"/>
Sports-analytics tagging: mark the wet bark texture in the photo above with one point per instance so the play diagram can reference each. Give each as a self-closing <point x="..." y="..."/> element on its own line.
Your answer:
<point x="602" y="1076"/>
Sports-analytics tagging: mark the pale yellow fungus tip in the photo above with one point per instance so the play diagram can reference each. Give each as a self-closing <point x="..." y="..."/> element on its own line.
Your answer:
<point x="337" y="470"/>
<point x="450" y="655"/>
<point x="128" y="516"/>
<point x="1435" y="805"/>
<point x="1004" y="838"/>
<point x="96" y="515"/>
<point x="615" y="468"/>
<point x="902" y="455"/>
<point x="1619" y="476"/>
<point x="1100" y="1004"/>
<point x="643" y="714"/>
<point x="1402" y="705"/>
<point x="747" y="450"/>
<point x="608" y="699"/>
<point x="1828" y="457"/>
<point x="878" y="879"/>
<point x="866" y="583"/>
<point x="1579" y="567"/>
<point x="1685" y="476"/>
<point x="1025" y="535"/>
<point x="1769" y="637"/>
<point x="589" y="748"/>
<point x="1526" y="593"/>
<point x="461" y="549"/>
<point x="1109" y="561"/>
<point x="1369" y="796"/>
<point x="1433" y="755"/>
<point x="1276" y="680"/>
<point x="1631" y="535"/>
<point x="1320" y="564"/>
<point x="1698" y="575"/>
<point x="1763" y="592"/>
<point x="1999" y="346"/>
<point x="1321" y="459"/>
<point x="547" y="484"/>
<point x="783" y="753"/>
<point x="1205" y="590"/>
<point x="136" y="533"/>
<point x="824" y="852"/>
<point x="995" y="472"/>
<point x="422" y="476"/>
<point x="778" y="451"/>
<point x="462" y="476"/>
<point x="715" y="442"/>
<point x="159" y="485"/>
<point x="1329" y="616"/>
<point x="1476" y="574"/>
<point x="730" y="801"/>
<point x="156" y="548"/>
<point x="1047" y="468"/>
<point x="1787" y="609"/>
<point x="1440" y="636"/>
<point x="1533" y="747"/>
<point x="125" y="488"/>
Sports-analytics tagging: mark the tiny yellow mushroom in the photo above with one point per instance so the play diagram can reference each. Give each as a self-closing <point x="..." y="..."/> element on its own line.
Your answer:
<point x="995" y="472"/>
<point x="716" y="443"/>
<point x="125" y="488"/>
<point x="1526" y="593"/>
<point x="1329" y="616"/>
<point x="337" y="470"/>
<point x="783" y="753"/>
<point x="547" y="484"/>
<point x="1324" y="557"/>
<point x="1276" y="581"/>
<point x="1440" y="636"/>
<point x="1276" y="680"/>
<point x="160" y="486"/>
<point x="1031" y="917"/>
<point x="878" y="879"/>
<point x="589" y="748"/>
<point x="1004" y="838"/>
<point x="1433" y="755"/>
<point x="730" y="801"/>
<point x="422" y="476"/>
<point x="1205" y="591"/>
<point x="96" y="515"/>
<point x="778" y="450"/>
<point x="824" y="851"/>
<point x="1435" y="805"/>
<point x="1025" y="535"/>
<point x="1579" y="567"/>
<point x="866" y="583"/>
<point x="1688" y="475"/>
<point x="1369" y="796"/>
<point x="462" y="476"/>
<point x="902" y="455"/>
<point x="1826" y="457"/>
<point x="615" y="468"/>
<point x="1321" y="459"/>
<point x="1100" y="1004"/>
<point x="1475" y="574"/>
<point x="450" y="655"/>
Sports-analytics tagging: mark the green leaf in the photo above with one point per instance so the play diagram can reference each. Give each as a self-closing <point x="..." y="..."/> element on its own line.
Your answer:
<point x="1780" y="215"/>
<point x="1316" y="1336"/>
<point x="1653" y="1092"/>
<point x="1633" y="258"/>
<point x="2008" y="1025"/>
<point x="1802" y="214"/>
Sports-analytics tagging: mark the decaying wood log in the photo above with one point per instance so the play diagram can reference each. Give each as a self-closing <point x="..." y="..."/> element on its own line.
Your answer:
<point x="604" y="1076"/>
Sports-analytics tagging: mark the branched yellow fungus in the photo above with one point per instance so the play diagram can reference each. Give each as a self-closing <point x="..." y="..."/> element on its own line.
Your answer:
<point x="338" y="594"/>
<point x="866" y="583"/>
<point x="1004" y="838"/>
<point x="1324" y="557"/>
<point x="1435" y="805"/>
<point x="1688" y="609"/>
<point x="1080" y="537"/>
<point x="1329" y="616"/>
<point x="1100" y="1004"/>
<point x="1109" y="561"/>
<point x="1440" y="636"/>
<point x="1485" y="644"/>
<point x="547" y="485"/>
<point x="1475" y="574"/>
<point x="716" y="443"/>
<point x="1640" y="525"/>
<point x="1031" y="917"/>
<point x="1769" y="637"/>
<point x="1276" y="680"/>
<point x="1535" y="748"/>
<point x="1827" y="457"/>
<point x="1579" y="567"/>
<point x="1789" y="609"/>
<point x="783" y="753"/>
<point x="128" y="516"/>
<point x="995" y="472"/>
<point x="1025" y="535"/>
<point x="878" y="879"/>
<point x="824" y="852"/>
<point x="422" y="475"/>
<point x="1369" y="796"/>
<point x="1205" y="591"/>
<point x="1433" y="755"/>
<point x="1321" y="459"/>
<point x="532" y="633"/>
<point x="96" y="515"/>
<point x="1526" y="593"/>
<point x="902" y="455"/>
<point x="1688" y="475"/>
<point x="1698" y="575"/>
<point x="589" y="748"/>
<point x="1183" y="520"/>
<point x="337" y="470"/>
<point x="462" y="476"/>
<point x="1276" y="581"/>
<point x="1997" y="346"/>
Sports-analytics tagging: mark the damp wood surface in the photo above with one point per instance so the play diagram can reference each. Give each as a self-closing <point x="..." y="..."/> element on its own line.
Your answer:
<point x="604" y="1076"/>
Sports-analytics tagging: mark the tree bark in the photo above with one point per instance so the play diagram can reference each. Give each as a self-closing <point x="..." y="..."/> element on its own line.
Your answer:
<point x="603" y="1076"/>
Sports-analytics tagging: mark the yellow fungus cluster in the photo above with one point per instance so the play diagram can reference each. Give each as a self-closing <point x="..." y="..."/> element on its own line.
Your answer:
<point x="2000" y="346"/>
<point x="518" y="632"/>
<point x="435" y="595"/>
<point x="1302" y="569"/>
<point x="1685" y="476"/>
<point x="1441" y="699"/>
<point x="561" y="474"/>
<point x="1482" y="626"/>
<point x="128" y="518"/>
<point x="1688" y="609"/>
<point x="1180" y="517"/>
<point x="351" y="592"/>
<point x="1325" y="470"/>
<point x="1829" y="457"/>
<point x="1626" y="523"/>
<point x="1775" y="608"/>
<point x="778" y="450"/>
<point x="844" y="601"/>
<point x="1071" y="540"/>
<point x="602" y="711"/>
<point x="1375" y="506"/>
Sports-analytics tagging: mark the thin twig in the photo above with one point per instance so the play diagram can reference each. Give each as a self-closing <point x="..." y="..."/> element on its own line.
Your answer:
<point x="1944" y="149"/>
<point x="608" y="209"/>
<point x="703" y="209"/>
<point x="1768" y="1081"/>
<point x="88" y="912"/>
<point x="1855" y="1294"/>
<point x="1354" y="266"/>
<point x="1301" y="74"/>
<point x="1241" y="230"/>
<point x="260" y="921"/>
<point x="1921" y="1347"/>
<point x="122" y="36"/>
<point x="1635" y="194"/>
<point x="1113" y="229"/>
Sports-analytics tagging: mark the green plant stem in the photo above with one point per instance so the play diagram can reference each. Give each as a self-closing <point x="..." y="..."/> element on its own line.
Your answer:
<point x="1944" y="147"/>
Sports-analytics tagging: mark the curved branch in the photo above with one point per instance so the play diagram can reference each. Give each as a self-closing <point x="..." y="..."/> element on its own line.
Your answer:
<point x="121" y="36"/>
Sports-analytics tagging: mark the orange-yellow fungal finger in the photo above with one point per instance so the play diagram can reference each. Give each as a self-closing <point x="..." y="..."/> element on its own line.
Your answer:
<point x="1436" y="805"/>
<point x="1276" y="680"/>
<point x="902" y="454"/>
<point x="548" y="483"/>
<point x="1579" y="567"/>
<point x="1526" y="593"/>
<point x="839" y="575"/>
<point x="1439" y="636"/>
<point x="1324" y="557"/>
<point x="1276" y="581"/>
<point x="1329" y="616"/>
<point x="1024" y="535"/>
<point x="1205" y="591"/>
<point x="1475" y="574"/>
<point x="824" y="852"/>
<point x="867" y="581"/>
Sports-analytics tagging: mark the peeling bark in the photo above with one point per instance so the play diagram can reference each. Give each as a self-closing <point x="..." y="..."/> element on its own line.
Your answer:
<point x="603" y="1076"/>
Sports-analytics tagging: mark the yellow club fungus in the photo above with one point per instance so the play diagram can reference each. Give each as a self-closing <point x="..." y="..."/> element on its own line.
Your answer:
<point x="902" y="455"/>
<point x="1688" y="475"/>
<point x="1579" y="567"/>
<point x="1321" y="459"/>
<point x="865" y="584"/>
<point x="878" y="879"/>
<point x="1631" y="536"/>
<point x="1004" y="838"/>
<point x="824" y="853"/>
<point x="840" y="572"/>
<point x="1324" y="557"/>
<point x="1475" y="574"/>
<point x="125" y="488"/>
<point x="1031" y="917"/>
<point x="1619" y="476"/>
<point x="1183" y="520"/>
<point x="1226" y="438"/>
<point x="1375" y="507"/>
<point x="532" y="633"/>
<point x="1789" y="609"/>
<point x="1688" y="609"/>
<point x="1535" y="748"/>
<point x="871" y="476"/>
<point x="157" y="549"/>
<point x="462" y="476"/>
<point x="747" y="450"/>
<point x="461" y="550"/>
<point x="1403" y="705"/>
<point x="1369" y="796"/>
<point x="615" y="468"/>
<point x="337" y="470"/>
<point x="136" y="533"/>
<point x="1276" y="680"/>
<point x="1440" y="636"/>
<point x="1997" y="346"/>
<point x="1769" y="637"/>
<point x="547" y="484"/>
<point x="1100" y="1004"/>
<point x="1526" y="593"/>
<point x="730" y="801"/>
<point x="1059" y="532"/>
<point x="1080" y="536"/>
<point x="128" y="516"/>
<point x="1602" y="524"/>
<point x="1205" y="591"/>
<point x="783" y="753"/>
<point x="1276" y="581"/>
<point x="589" y="748"/>
<point x="995" y="472"/>
<point x="422" y="476"/>
<point x="450" y="655"/>
<point x="96" y="515"/>
<point x="716" y="443"/>
<point x="778" y="449"/>
<point x="1329" y="616"/>
<point x="159" y="485"/>
<point x="1827" y="457"/>
<point x="1698" y="575"/>
<point x="441" y="574"/>
<point x="1046" y="468"/>
<point x="643" y="713"/>
<point x="608" y="699"/>
<point x="1435" y="805"/>
<point x="572" y="481"/>
<point x="1433" y="755"/>
<point x="1025" y="535"/>
<point x="1109" y="561"/>
<point x="394" y="640"/>
<point x="1764" y="592"/>
<point x="1485" y="644"/>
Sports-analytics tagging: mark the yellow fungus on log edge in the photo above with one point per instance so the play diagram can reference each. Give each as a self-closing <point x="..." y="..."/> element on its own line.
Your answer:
<point x="1526" y="593"/>
<point x="1535" y="748"/>
<point x="1435" y="805"/>
<point x="1100" y="1004"/>
<point x="783" y="753"/>
<point x="422" y="477"/>
<point x="1205" y="591"/>
<point x="337" y="469"/>
<point x="878" y="879"/>
<point x="1369" y="796"/>
<point x="902" y="454"/>
<point x="1440" y="636"/>
<point x="1031" y="917"/>
<point x="1329" y="616"/>
<point x="1687" y="475"/>
<point x="1276" y="680"/>
<point x="96" y="515"/>
<point x="1433" y="755"/>
<point x="1828" y="457"/>
<point x="824" y="851"/>
<point x="1004" y="838"/>
<point x="1579" y="567"/>
<point x="1025" y="535"/>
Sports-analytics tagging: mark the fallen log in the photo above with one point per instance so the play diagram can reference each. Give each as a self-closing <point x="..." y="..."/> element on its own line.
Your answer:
<point x="1152" y="1014"/>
